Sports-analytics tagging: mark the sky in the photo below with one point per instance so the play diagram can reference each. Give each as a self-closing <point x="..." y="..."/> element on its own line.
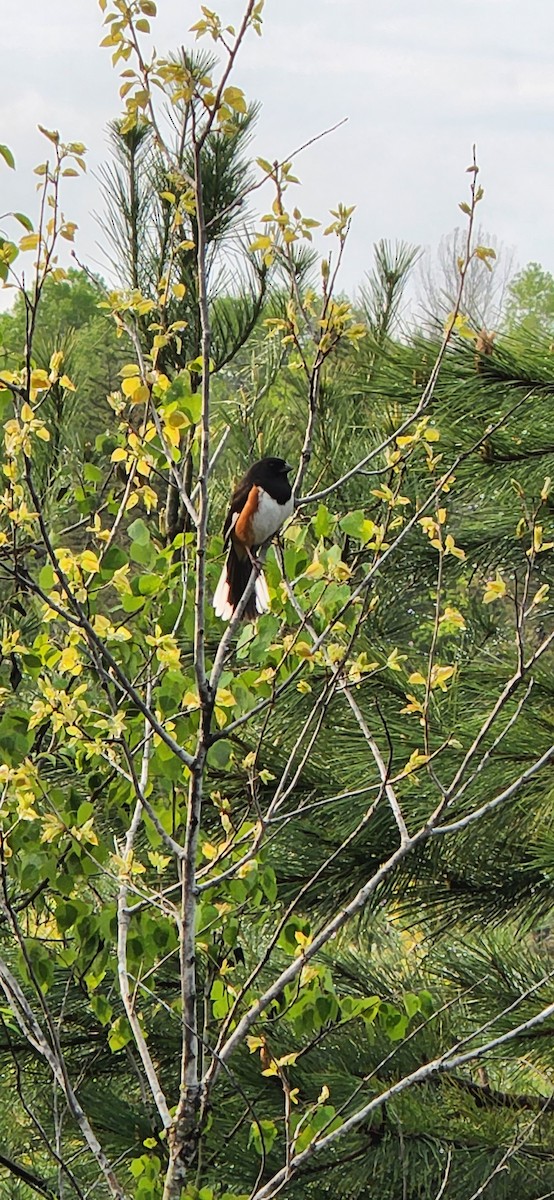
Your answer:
<point x="419" y="83"/>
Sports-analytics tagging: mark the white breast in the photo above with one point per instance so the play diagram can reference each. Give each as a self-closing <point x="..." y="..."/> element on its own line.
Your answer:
<point x="269" y="516"/>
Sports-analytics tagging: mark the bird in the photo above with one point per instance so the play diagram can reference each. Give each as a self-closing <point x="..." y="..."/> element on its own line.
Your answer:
<point x="260" y="504"/>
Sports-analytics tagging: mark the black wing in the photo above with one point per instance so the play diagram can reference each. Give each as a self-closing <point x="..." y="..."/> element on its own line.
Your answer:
<point x="238" y="501"/>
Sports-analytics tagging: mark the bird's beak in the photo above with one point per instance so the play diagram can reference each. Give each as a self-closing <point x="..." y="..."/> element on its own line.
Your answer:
<point x="287" y="468"/>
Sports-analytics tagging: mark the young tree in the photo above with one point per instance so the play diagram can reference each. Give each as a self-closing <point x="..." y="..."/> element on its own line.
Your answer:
<point x="202" y="826"/>
<point x="485" y="292"/>
<point x="530" y="306"/>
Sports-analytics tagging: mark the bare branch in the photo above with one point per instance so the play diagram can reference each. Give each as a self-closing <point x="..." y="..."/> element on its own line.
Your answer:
<point x="33" y="1033"/>
<point x="123" y="922"/>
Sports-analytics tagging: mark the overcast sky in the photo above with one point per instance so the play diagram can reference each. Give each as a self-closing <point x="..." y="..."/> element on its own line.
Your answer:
<point x="419" y="83"/>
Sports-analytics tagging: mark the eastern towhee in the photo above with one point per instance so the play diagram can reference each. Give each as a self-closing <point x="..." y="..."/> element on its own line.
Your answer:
<point x="260" y="504"/>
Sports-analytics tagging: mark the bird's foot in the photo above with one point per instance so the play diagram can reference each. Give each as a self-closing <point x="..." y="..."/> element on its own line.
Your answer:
<point x="257" y="566"/>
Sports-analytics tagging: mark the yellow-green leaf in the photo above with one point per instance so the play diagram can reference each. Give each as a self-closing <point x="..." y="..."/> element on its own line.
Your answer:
<point x="29" y="242"/>
<point x="495" y="589"/>
<point x="7" y="155"/>
<point x="89" y="561"/>
<point x="130" y="384"/>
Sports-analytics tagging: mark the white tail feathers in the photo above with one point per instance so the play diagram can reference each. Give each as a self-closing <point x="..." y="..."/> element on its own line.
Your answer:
<point x="262" y="594"/>
<point x="222" y="607"/>
<point x="222" y="604"/>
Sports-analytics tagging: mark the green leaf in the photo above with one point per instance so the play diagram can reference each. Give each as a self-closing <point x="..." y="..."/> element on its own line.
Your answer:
<point x="187" y="401"/>
<point x="219" y="755"/>
<point x="269" y="883"/>
<point x="393" y="1022"/>
<point x="40" y="963"/>
<point x="264" y="1129"/>
<point x="287" y="937"/>
<point x="323" y="1116"/>
<point x="46" y="578"/>
<point x="101" y="1008"/>
<point x="142" y="553"/>
<point x="92" y="473"/>
<point x="207" y="915"/>
<point x="150" y="585"/>
<point x="231" y="932"/>
<point x="132" y="604"/>
<point x="119" y="1035"/>
<point x="323" y="522"/>
<point x="139" y="532"/>
<point x="426" y="1003"/>
<point x="84" y="811"/>
<point x="137" y="1165"/>
<point x="412" y="1003"/>
<point x="113" y="559"/>
<point x="356" y="525"/>
<point x="23" y="220"/>
<point x="66" y="914"/>
<point x="370" y="1009"/>
<point x="238" y="891"/>
<point x="7" y="155"/>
